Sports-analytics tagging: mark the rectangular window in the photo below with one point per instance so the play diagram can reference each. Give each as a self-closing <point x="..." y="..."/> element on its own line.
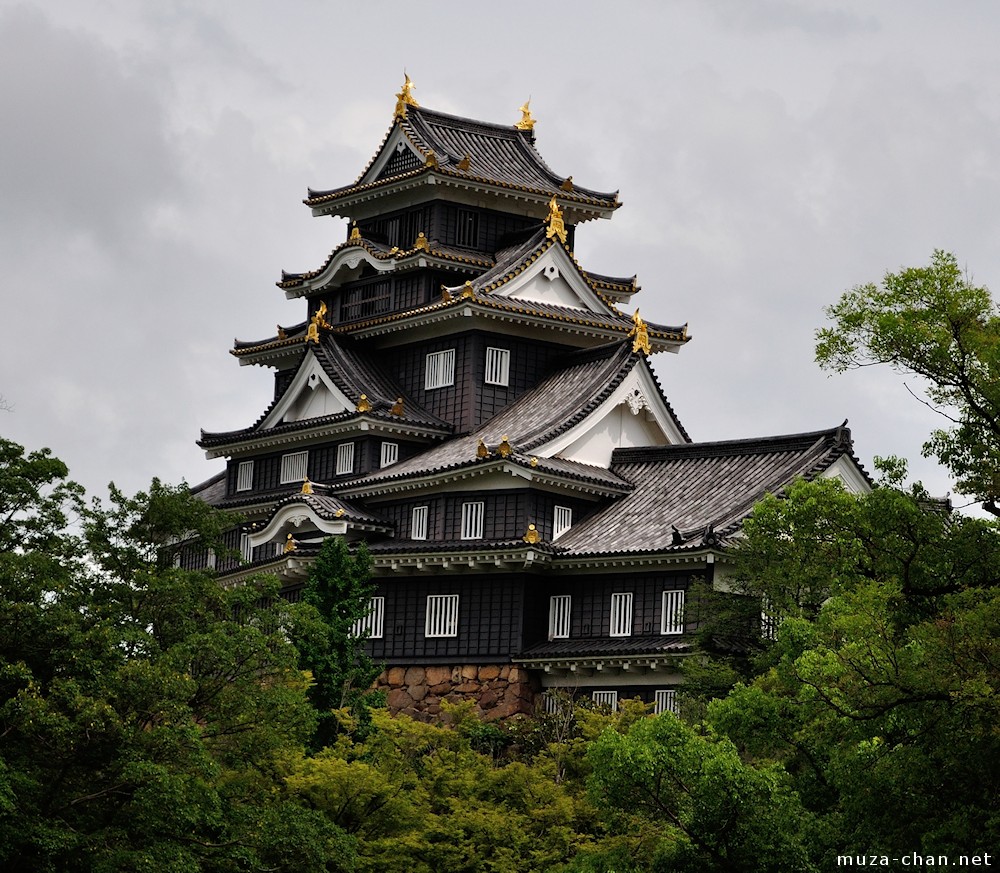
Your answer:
<point x="440" y="369"/>
<point x="497" y="366"/>
<point x="371" y="624"/>
<point x="246" y="550"/>
<point x="472" y="520"/>
<point x="606" y="698"/>
<point x="442" y="616"/>
<point x="621" y="614"/>
<point x="294" y="467"/>
<point x="418" y="523"/>
<point x="345" y="459"/>
<point x="559" y="612"/>
<point x="768" y="620"/>
<point x="244" y="476"/>
<point x="666" y="701"/>
<point x="467" y="228"/>
<point x="390" y="454"/>
<point x="562" y="522"/>
<point x="672" y="621"/>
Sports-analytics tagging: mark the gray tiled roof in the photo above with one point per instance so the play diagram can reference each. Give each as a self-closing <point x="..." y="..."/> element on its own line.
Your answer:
<point x="700" y="488"/>
<point x="498" y="154"/>
<point x="647" y="645"/>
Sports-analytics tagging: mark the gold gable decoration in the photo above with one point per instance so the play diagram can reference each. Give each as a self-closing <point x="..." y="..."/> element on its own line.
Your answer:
<point x="307" y="487"/>
<point x="405" y="97"/>
<point x="289" y="544"/>
<point x="557" y="227"/>
<point x="363" y="404"/>
<point x="526" y="122"/>
<point x="316" y="322"/>
<point x="531" y="535"/>
<point x="641" y="334"/>
<point x="421" y="243"/>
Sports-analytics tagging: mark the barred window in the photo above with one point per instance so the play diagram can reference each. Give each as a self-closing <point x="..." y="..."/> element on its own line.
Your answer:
<point x="440" y="369"/>
<point x="672" y="621"/>
<point x="666" y="701"/>
<point x="559" y="615"/>
<point x="418" y="523"/>
<point x="768" y="619"/>
<point x="442" y="616"/>
<point x="497" y="366"/>
<point x="244" y="476"/>
<point x="371" y="624"/>
<point x="294" y="467"/>
<point x="621" y="614"/>
<point x="345" y="459"/>
<point x="606" y="698"/>
<point x="467" y="228"/>
<point x="390" y="454"/>
<point x="246" y="550"/>
<point x="562" y="522"/>
<point x="472" y="520"/>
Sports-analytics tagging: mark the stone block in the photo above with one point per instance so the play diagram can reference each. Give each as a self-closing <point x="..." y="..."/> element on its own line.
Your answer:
<point x="417" y="692"/>
<point x="438" y="675"/>
<point x="470" y="671"/>
<point x="393" y="677"/>
<point x="489" y="671"/>
<point x="414" y="676"/>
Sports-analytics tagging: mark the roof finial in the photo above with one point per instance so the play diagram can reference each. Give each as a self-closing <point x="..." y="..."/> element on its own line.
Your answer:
<point x="316" y="322"/>
<point x="363" y="404"/>
<point x="289" y="544"/>
<point x="641" y="333"/>
<point x="557" y="227"/>
<point x="405" y="97"/>
<point x="526" y="122"/>
<point x="531" y="535"/>
<point x="355" y="231"/>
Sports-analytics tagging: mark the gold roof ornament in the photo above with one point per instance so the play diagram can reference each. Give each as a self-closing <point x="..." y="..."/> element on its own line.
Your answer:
<point x="397" y="407"/>
<point x="431" y="160"/>
<point x="557" y="227"/>
<point x="316" y="322"/>
<point x="446" y="294"/>
<point x="405" y="97"/>
<point x="567" y="184"/>
<point x="467" y="290"/>
<point x="641" y="334"/>
<point x="307" y="486"/>
<point x="531" y="535"/>
<point x="281" y="332"/>
<point x="526" y="122"/>
<point x="464" y="163"/>
<point x="340" y="513"/>
<point x="355" y="232"/>
<point x="422" y="243"/>
<point x="363" y="404"/>
<point x="289" y="544"/>
<point x="482" y="450"/>
<point x="505" y="449"/>
<point x="533" y="462"/>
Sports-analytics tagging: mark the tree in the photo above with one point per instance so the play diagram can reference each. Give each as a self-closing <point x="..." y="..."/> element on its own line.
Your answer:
<point x="935" y="323"/>
<point x="146" y="713"/>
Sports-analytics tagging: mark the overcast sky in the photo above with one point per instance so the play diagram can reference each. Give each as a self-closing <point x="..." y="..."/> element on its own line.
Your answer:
<point x="770" y="155"/>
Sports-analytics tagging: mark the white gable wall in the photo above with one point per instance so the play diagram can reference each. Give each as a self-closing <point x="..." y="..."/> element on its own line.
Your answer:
<point x="310" y="395"/>
<point x="553" y="279"/>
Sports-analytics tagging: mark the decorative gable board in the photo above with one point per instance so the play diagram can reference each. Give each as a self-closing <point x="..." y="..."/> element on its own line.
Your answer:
<point x="634" y="415"/>
<point x="398" y="155"/>
<point x="556" y="280"/>
<point x="847" y="471"/>
<point x="311" y="394"/>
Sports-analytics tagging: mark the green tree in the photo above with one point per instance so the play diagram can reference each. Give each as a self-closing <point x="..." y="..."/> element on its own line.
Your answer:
<point x="147" y="714"/>
<point x="933" y="322"/>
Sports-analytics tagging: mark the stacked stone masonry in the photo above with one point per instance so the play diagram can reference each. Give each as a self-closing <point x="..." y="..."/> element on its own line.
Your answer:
<point x="499" y="691"/>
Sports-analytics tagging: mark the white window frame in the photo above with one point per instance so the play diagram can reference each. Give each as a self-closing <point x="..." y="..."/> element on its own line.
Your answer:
<point x="418" y="523"/>
<point x="473" y="514"/>
<point x="246" y="549"/>
<point x="442" y="616"/>
<point x="621" y="614"/>
<point x="768" y="620"/>
<point x="672" y="614"/>
<point x="605" y="698"/>
<point x="372" y="624"/>
<point x="497" y="366"/>
<point x="390" y="453"/>
<point x="294" y="467"/>
<point x="562" y="521"/>
<point x="560" y="612"/>
<point x="665" y="701"/>
<point x="244" y="476"/>
<point x="439" y="369"/>
<point x="345" y="459"/>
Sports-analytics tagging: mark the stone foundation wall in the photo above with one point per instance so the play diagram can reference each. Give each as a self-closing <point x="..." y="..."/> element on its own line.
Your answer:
<point x="499" y="690"/>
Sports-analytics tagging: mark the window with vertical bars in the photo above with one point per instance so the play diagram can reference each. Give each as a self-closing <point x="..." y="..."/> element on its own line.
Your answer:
<point x="672" y="621"/>
<point x="294" y="467"/>
<point x="606" y="698"/>
<point x="390" y="454"/>
<point x="559" y="614"/>
<point x="621" y="614"/>
<point x="562" y="521"/>
<point x="497" y="366"/>
<point x="246" y="550"/>
<point x="244" y="476"/>
<point x="442" y="616"/>
<point x="439" y="369"/>
<point x="418" y="523"/>
<point x="371" y="624"/>
<point x="345" y="459"/>
<point x="666" y="701"/>
<point x="768" y="620"/>
<point x="472" y="520"/>
<point x="467" y="228"/>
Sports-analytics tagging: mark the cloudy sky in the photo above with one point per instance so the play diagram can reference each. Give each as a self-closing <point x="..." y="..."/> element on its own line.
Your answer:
<point x="770" y="154"/>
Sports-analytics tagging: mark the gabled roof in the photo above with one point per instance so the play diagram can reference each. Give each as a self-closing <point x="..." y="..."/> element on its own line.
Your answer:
<point x="350" y="373"/>
<point x="554" y="407"/>
<point x="427" y="146"/>
<point x="694" y="495"/>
